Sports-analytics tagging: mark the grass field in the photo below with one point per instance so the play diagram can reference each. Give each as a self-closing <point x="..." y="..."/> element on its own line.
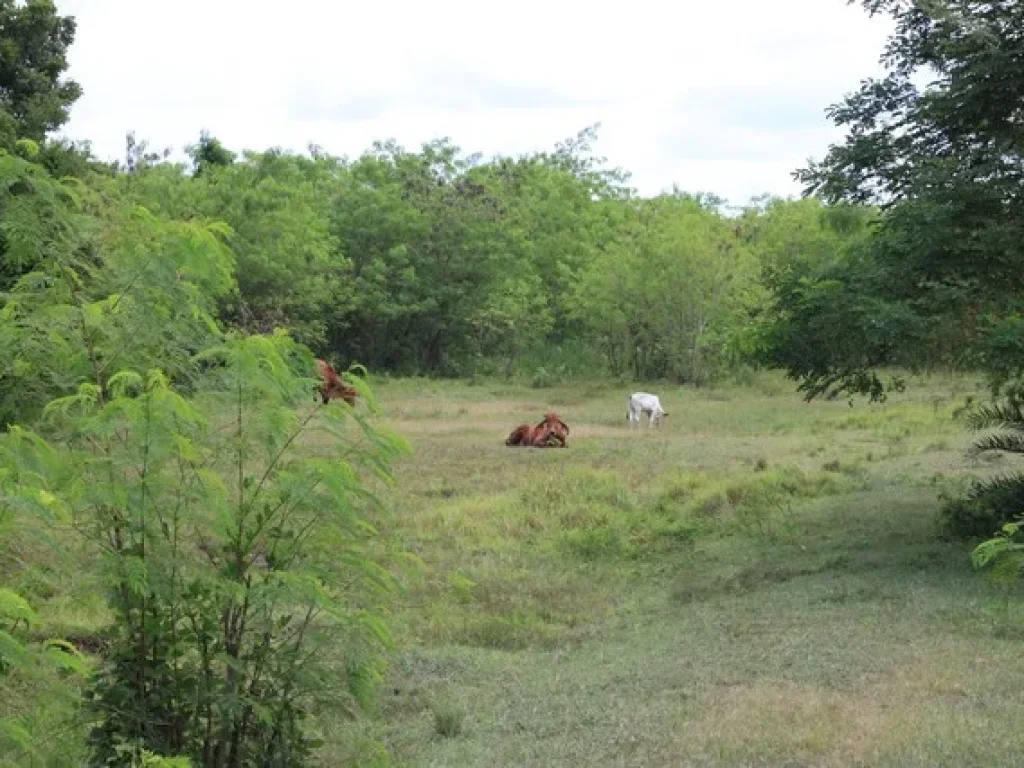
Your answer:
<point x="757" y="583"/>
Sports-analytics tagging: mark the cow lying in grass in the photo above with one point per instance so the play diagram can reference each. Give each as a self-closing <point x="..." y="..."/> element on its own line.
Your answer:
<point x="549" y="432"/>
<point x="333" y="388"/>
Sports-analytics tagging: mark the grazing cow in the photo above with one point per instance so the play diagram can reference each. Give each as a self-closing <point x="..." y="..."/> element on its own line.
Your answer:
<point x="333" y="387"/>
<point x="640" y="403"/>
<point x="549" y="432"/>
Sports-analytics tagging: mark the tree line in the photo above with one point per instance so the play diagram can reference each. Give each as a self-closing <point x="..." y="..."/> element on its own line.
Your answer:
<point x="436" y="262"/>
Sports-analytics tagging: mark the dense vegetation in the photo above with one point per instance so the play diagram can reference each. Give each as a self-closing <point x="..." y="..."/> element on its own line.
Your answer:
<point x="939" y="282"/>
<point x="158" y="322"/>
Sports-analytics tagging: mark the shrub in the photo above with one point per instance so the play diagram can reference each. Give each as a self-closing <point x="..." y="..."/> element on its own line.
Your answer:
<point x="237" y="569"/>
<point x="984" y="509"/>
<point x="990" y="504"/>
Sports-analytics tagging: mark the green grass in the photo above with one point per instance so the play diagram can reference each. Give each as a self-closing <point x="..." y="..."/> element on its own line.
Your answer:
<point x="757" y="583"/>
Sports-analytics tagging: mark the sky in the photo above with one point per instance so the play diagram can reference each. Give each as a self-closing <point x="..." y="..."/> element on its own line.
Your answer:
<point x="721" y="96"/>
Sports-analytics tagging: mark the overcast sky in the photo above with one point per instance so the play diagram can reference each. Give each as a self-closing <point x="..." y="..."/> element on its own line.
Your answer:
<point x="723" y="96"/>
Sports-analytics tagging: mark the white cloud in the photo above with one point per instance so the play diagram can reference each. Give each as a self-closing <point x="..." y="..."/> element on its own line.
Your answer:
<point x="726" y="97"/>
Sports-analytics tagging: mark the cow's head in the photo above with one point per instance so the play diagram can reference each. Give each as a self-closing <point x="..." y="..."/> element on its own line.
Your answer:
<point x="555" y="424"/>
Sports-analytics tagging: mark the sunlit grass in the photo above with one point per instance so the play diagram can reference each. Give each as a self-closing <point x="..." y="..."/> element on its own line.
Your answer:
<point x="758" y="582"/>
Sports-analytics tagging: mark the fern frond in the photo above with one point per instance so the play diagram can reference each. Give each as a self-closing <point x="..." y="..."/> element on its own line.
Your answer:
<point x="1009" y="485"/>
<point x="1008" y="415"/>
<point x="1010" y="442"/>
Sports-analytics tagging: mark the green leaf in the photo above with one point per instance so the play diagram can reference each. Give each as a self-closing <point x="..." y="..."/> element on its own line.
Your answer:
<point x="14" y="608"/>
<point x="15" y="737"/>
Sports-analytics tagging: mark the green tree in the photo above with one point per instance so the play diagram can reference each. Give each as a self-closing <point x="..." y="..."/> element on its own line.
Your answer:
<point x="823" y="307"/>
<point x="209" y="153"/>
<point x="100" y="283"/>
<point x="36" y="218"/>
<point x="289" y="270"/>
<point x="425" y="238"/>
<point x="558" y="214"/>
<point x="941" y="283"/>
<point x="241" y="582"/>
<point x="219" y="536"/>
<point x="668" y="300"/>
<point x="514" y="317"/>
<point x="243" y="593"/>
<point x="792" y="238"/>
<point x="35" y="98"/>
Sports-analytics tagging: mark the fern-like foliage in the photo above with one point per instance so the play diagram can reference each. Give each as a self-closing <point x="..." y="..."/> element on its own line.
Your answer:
<point x="992" y="503"/>
<point x="1009" y="442"/>
<point x="984" y="508"/>
<point x="1002" y="555"/>
<point x="1002" y="415"/>
<point x="240" y="560"/>
<point x="92" y="284"/>
<point x="28" y="468"/>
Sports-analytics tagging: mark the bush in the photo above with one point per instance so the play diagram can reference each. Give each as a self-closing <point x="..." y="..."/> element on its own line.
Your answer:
<point x="242" y="590"/>
<point x="990" y="504"/>
<point x="984" y="509"/>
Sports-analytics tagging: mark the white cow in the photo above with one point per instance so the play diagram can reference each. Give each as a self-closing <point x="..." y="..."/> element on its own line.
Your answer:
<point x="641" y="403"/>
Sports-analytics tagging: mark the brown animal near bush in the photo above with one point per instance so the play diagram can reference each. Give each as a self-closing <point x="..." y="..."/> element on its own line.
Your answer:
<point x="549" y="432"/>
<point x="333" y="388"/>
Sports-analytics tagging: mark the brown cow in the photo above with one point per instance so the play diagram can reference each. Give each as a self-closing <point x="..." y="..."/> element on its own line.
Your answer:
<point x="333" y="387"/>
<point x="528" y="435"/>
<point x="549" y="432"/>
<point x="557" y="428"/>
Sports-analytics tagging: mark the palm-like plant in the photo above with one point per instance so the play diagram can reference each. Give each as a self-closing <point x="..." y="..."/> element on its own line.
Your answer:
<point x="1008" y="417"/>
<point x="990" y="504"/>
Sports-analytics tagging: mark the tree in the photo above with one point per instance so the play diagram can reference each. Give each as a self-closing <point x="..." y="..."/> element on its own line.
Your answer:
<point x="514" y="317"/>
<point x="558" y="212"/>
<point x="96" y="283"/>
<point x="667" y="300"/>
<point x="425" y="238"/>
<point x="235" y="556"/>
<point x="209" y="153"/>
<point x="942" y="282"/>
<point x="243" y="591"/>
<point x="34" y="96"/>
<point x="290" y="272"/>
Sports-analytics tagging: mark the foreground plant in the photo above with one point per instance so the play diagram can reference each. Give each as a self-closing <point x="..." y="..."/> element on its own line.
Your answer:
<point x="45" y="667"/>
<point x="1002" y="555"/>
<point x="989" y="504"/>
<point x="237" y="562"/>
